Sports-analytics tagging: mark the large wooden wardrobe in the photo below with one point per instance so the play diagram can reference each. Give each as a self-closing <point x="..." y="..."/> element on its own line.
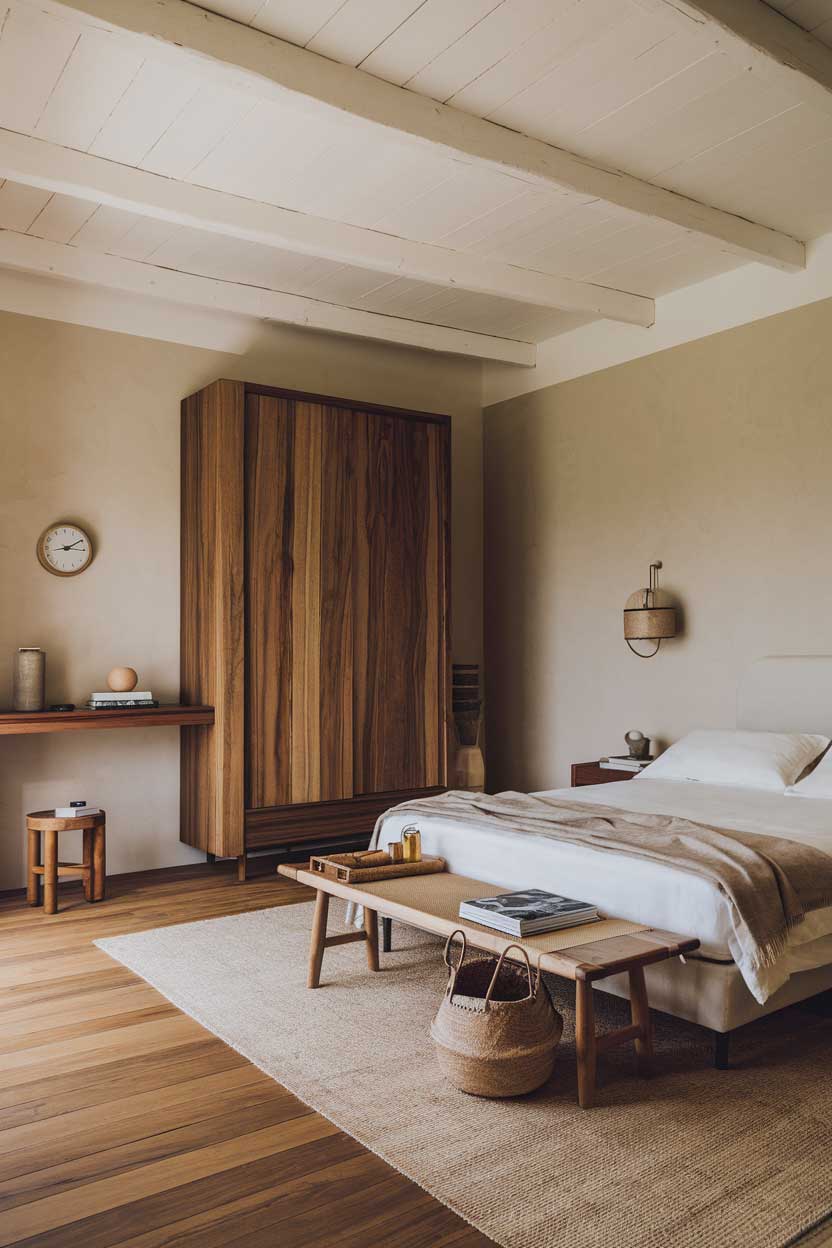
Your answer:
<point x="315" y="615"/>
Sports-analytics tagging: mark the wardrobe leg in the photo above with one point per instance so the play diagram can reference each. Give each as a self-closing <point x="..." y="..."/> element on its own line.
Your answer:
<point x="386" y="934"/>
<point x="241" y="868"/>
<point x="722" y="1046"/>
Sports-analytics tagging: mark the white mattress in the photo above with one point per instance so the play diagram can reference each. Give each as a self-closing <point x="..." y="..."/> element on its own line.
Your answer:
<point x="647" y="892"/>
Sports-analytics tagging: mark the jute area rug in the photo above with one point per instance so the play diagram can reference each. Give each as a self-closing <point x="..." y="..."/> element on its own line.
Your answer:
<point x="692" y="1158"/>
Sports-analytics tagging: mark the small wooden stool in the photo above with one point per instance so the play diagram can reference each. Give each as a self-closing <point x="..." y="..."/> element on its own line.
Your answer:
<point x="47" y="868"/>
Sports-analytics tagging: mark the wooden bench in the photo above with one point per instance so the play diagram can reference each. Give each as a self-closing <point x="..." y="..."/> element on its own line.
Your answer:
<point x="582" y="954"/>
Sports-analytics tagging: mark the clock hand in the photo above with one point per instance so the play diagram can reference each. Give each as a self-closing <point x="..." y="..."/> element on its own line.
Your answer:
<point x="74" y="544"/>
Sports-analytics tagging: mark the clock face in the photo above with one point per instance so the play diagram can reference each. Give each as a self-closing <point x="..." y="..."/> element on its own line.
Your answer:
<point x="64" y="549"/>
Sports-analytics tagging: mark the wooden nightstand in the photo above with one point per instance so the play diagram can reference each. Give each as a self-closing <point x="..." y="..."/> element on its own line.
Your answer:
<point x="594" y="773"/>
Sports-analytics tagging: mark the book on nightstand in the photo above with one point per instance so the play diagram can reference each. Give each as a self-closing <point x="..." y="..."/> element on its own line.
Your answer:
<point x="623" y="762"/>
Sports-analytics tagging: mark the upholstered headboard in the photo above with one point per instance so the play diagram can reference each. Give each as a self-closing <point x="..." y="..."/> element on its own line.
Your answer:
<point x="787" y="693"/>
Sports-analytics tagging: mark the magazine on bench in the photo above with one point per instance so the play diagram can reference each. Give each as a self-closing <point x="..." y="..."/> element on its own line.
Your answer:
<point x="528" y="911"/>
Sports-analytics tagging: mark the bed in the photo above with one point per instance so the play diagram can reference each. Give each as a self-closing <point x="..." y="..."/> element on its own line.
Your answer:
<point x="788" y="694"/>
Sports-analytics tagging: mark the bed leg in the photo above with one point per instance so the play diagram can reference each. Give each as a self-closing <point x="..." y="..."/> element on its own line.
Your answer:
<point x="386" y="934"/>
<point x="722" y="1048"/>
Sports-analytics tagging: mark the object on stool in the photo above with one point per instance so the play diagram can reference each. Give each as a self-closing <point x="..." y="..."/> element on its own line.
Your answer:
<point x="44" y="869"/>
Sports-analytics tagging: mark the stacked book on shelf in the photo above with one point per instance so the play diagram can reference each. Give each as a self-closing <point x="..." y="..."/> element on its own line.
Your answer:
<point x="624" y="762"/>
<point x="115" y="701"/>
<point x="528" y="912"/>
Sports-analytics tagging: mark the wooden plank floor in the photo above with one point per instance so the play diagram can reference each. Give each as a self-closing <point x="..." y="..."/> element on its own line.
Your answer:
<point x="124" y="1122"/>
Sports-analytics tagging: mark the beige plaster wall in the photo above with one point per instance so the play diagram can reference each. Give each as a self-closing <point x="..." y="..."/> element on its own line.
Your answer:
<point x="715" y="457"/>
<point x="89" y="428"/>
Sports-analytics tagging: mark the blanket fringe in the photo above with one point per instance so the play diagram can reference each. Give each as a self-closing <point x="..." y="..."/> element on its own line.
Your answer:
<point x="777" y="945"/>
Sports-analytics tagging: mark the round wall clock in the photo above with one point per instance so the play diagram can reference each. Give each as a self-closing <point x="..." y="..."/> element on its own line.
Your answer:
<point x="64" y="549"/>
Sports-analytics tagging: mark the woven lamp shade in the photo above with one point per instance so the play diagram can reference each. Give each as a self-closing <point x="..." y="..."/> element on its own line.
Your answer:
<point x="649" y="616"/>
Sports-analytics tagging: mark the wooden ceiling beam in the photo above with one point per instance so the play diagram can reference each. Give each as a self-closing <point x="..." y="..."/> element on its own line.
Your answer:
<point x="38" y="255"/>
<point x="249" y="60"/>
<point x="62" y="170"/>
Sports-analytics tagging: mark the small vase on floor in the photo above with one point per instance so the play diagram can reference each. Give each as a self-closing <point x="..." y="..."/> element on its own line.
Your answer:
<point x="469" y="769"/>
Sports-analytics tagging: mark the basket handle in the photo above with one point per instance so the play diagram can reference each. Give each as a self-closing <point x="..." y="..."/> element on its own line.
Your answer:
<point x="497" y="968"/>
<point x="447" y="954"/>
<point x="454" y="970"/>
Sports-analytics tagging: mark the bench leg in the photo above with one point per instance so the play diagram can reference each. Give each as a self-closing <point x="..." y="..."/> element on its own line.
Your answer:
<point x="371" y="928"/>
<point x="386" y="935"/>
<point x="640" y="1014"/>
<point x="585" y="1042"/>
<point x="316" y="952"/>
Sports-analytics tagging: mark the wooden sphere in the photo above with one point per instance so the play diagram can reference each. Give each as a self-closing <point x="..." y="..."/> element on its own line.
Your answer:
<point x="122" y="679"/>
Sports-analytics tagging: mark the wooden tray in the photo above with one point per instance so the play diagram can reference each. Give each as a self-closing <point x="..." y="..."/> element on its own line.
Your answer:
<point x="342" y="867"/>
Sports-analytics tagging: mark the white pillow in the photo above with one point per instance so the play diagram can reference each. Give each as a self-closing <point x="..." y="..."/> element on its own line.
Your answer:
<point x="750" y="760"/>
<point x="818" y="783"/>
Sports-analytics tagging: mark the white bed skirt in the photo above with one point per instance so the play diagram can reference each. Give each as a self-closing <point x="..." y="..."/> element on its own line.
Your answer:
<point x="714" y="994"/>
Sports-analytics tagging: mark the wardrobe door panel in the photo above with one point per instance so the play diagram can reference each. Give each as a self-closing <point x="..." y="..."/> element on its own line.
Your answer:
<point x="336" y="628"/>
<point x="400" y="629"/>
<point x="212" y="598"/>
<point x="269" y="533"/>
<point x="299" y="518"/>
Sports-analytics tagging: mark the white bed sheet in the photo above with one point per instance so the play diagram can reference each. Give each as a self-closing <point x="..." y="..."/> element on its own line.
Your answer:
<point x="646" y="892"/>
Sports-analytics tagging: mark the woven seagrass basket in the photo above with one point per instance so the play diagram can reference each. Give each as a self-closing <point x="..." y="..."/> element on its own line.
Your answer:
<point x="496" y="1030"/>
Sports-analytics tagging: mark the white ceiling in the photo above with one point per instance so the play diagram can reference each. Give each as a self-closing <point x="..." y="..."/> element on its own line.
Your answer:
<point x="627" y="84"/>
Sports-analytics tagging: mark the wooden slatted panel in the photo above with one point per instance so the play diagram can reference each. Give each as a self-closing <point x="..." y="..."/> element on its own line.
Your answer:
<point x="336" y="627"/>
<point x="269" y="534"/>
<point x="399" y="594"/>
<point x="299" y="522"/>
<point x="306" y="604"/>
<point x="211" y="664"/>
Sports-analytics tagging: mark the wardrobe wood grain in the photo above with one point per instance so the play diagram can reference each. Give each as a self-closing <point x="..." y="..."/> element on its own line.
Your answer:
<point x="338" y="639"/>
<point x="305" y="606"/>
<point x="269" y="451"/>
<point x="212" y="655"/>
<point x="400" y="593"/>
<point x="299" y="522"/>
<point x="316" y="532"/>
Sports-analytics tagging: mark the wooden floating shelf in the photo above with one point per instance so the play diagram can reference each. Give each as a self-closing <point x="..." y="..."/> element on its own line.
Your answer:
<point x="20" y="723"/>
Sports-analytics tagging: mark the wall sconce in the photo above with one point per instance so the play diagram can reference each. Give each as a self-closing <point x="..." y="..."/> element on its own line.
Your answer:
<point x="649" y="615"/>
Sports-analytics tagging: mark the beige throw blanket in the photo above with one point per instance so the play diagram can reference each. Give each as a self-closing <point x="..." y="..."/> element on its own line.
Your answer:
<point x="769" y="884"/>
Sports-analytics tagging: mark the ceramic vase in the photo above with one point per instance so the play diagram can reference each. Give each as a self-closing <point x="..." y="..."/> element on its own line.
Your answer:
<point x="29" y="692"/>
<point x="469" y="769"/>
